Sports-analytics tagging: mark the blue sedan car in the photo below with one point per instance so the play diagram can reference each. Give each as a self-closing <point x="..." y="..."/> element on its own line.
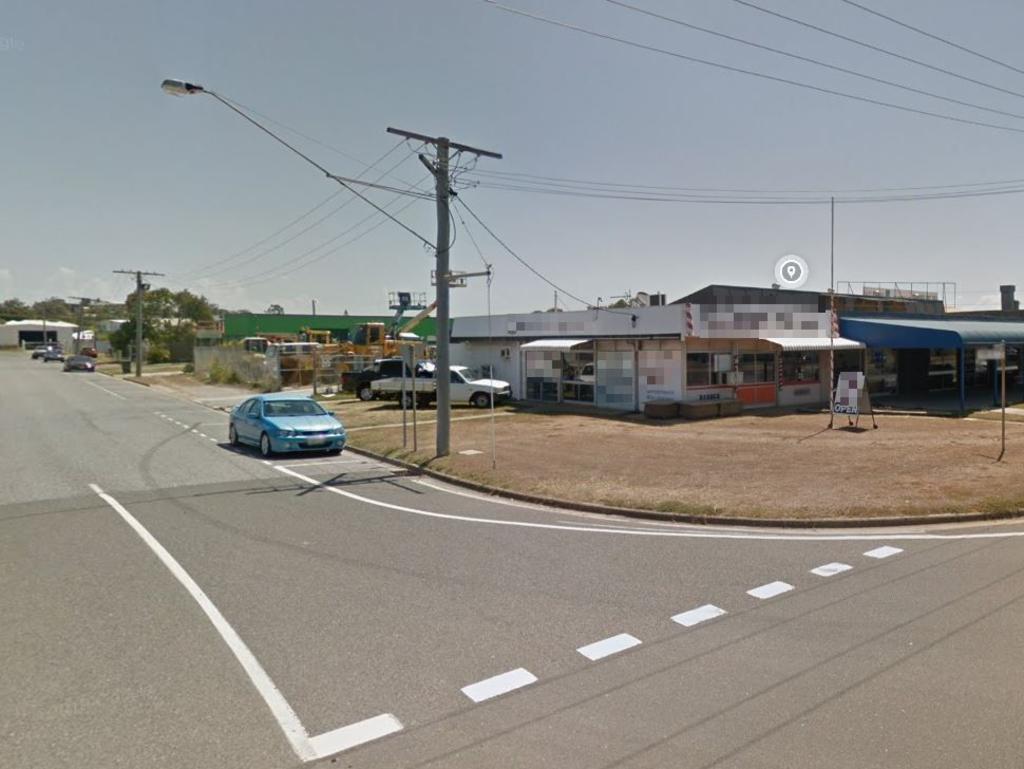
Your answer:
<point x="281" y="422"/>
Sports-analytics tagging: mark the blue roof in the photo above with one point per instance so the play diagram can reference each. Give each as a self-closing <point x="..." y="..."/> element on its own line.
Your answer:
<point x="930" y="332"/>
<point x="283" y="397"/>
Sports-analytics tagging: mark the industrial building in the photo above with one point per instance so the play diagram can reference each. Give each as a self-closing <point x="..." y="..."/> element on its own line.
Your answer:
<point x="762" y="347"/>
<point x="29" y="333"/>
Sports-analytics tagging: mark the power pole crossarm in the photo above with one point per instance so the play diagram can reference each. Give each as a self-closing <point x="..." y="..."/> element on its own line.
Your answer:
<point x="443" y="147"/>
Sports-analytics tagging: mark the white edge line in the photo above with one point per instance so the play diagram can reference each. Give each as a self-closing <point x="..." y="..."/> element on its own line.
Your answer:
<point x="305" y="747"/>
<point x="609" y="646"/>
<point x="648" y="532"/>
<point x="350" y="736"/>
<point x="495" y="686"/>
<point x="101" y="387"/>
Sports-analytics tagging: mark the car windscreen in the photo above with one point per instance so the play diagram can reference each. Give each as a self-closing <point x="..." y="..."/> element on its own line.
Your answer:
<point x="295" y="408"/>
<point x="80" y="359"/>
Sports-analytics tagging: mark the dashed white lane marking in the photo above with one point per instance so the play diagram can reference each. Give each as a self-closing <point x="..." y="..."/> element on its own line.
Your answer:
<point x="108" y="392"/>
<point x="831" y="569"/>
<point x="306" y="748"/>
<point x="203" y="435"/>
<point x="213" y="439"/>
<point x="470" y="452"/>
<point x="883" y="552"/>
<point x="608" y="646"/>
<point x="195" y="431"/>
<point x="770" y="590"/>
<point x="698" y="615"/>
<point x="499" y="684"/>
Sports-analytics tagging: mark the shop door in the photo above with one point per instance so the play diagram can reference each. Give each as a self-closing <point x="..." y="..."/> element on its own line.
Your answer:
<point x="912" y="369"/>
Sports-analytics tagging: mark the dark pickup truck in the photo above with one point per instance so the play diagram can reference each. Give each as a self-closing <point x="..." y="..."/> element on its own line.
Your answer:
<point x="382" y="369"/>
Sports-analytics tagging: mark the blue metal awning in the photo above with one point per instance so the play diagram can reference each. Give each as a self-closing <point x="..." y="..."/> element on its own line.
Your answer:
<point x="934" y="333"/>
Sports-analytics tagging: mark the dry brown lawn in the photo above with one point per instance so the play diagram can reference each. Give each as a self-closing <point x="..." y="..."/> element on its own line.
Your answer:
<point x="766" y="465"/>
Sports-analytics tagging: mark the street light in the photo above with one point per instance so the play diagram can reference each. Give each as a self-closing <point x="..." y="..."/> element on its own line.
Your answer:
<point x="181" y="88"/>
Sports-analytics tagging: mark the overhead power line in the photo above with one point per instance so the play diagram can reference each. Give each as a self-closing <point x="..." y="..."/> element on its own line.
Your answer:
<point x="750" y="73"/>
<point x="530" y="267"/>
<point x="295" y="235"/>
<point x="816" y="62"/>
<point x="932" y="36"/>
<point x="319" y="167"/>
<point x="876" y="48"/>
<point x="527" y="177"/>
<point x="296" y="262"/>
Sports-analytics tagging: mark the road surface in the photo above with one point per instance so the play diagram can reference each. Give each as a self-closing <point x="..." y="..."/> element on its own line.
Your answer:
<point x="169" y="601"/>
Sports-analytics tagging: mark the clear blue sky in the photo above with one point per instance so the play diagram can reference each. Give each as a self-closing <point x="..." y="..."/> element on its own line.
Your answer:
<point x="102" y="170"/>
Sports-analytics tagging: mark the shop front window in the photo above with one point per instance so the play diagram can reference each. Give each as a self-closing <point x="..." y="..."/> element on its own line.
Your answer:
<point x="799" y="367"/>
<point x="698" y="369"/>
<point x="757" y="368"/>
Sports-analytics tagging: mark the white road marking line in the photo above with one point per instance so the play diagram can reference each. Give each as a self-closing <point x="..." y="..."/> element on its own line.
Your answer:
<point x="213" y="439"/>
<point x="306" y="748"/>
<point x="757" y="537"/>
<point x="335" y="462"/>
<point x="770" y="590"/>
<point x="608" y="646"/>
<point x="350" y="736"/>
<point x="499" y="684"/>
<point x="195" y="431"/>
<point x="698" y="615"/>
<point x="831" y="569"/>
<point x="108" y="392"/>
<point x="883" y="552"/>
<point x="470" y="452"/>
<point x="203" y="435"/>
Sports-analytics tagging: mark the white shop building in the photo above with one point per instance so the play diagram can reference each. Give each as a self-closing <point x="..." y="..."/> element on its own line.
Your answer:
<point x="761" y="355"/>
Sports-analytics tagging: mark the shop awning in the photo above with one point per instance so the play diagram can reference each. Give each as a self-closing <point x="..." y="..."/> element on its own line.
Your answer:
<point x="933" y="333"/>
<point x="804" y="343"/>
<point x="554" y="344"/>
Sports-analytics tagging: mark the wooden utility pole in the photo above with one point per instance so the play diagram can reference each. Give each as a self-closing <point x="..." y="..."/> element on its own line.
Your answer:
<point x="140" y="292"/>
<point x="440" y="169"/>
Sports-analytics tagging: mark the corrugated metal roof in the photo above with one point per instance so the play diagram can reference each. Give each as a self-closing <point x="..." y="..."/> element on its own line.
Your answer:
<point x="814" y="343"/>
<point x="931" y="332"/>
<point x="554" y="344"/>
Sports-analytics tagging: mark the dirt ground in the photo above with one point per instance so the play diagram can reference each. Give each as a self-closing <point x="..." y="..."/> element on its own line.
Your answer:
<point x="765" y="465"/>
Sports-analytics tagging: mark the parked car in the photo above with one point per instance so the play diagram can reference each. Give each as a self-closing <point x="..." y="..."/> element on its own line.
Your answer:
<point x="92" y="352"/>
<point x="467" y="386"/>
<point x="382" y="369"/>
<point x="79" y="363"/>
<point x="282" y="422"/>
<point x="53" y="354"/>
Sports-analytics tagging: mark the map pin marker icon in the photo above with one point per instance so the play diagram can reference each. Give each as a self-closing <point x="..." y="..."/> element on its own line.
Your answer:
<point x="790" y="271"/>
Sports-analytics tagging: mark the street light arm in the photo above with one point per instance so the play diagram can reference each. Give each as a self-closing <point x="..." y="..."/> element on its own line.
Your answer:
<point x="182" y="88"/>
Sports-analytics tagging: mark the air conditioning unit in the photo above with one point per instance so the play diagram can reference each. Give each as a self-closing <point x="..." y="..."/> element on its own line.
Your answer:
<point x="506" y="353"/>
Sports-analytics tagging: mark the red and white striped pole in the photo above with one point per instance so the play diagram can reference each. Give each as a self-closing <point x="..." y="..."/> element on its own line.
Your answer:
<point x="689" y="319"/>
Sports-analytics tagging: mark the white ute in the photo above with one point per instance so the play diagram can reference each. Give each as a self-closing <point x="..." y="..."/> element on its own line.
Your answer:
<point x="466" y="387"/>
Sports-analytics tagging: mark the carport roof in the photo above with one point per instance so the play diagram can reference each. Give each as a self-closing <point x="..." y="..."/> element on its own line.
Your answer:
<point x="930" y="332"/>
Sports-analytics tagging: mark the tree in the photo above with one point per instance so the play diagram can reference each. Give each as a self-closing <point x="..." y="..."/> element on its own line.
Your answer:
<point x="14" y="309"/>
<point x="54" y="308"/>
<point x="275" y="309"/>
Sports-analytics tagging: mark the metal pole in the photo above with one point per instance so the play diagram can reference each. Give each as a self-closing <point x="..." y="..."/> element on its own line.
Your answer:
<point x="405" y="429"/>
<point x="314" y="307"/>
<point x="138" y="323"/>
<point x="415" y="440"/>
<point x="832" y="315"/>
<point x="1002" y="451"/>
<point x="442" y="374"/>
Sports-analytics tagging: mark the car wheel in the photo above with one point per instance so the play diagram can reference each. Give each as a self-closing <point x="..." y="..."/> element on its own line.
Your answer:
<point x="232" y="435"/>
<point x="366" y="393"/>
<point x="480" y="400"/>
<point x="265" y="448"/>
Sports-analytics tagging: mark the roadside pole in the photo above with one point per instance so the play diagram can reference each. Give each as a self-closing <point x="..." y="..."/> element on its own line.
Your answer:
<point x="440" y="170"/>
<point x="140" y="293"/>
<point x="1002" y="364"/>
<point x="405" y="429"/>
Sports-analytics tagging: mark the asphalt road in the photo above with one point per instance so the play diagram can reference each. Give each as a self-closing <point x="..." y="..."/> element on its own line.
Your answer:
<point x="167" y="601"/>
